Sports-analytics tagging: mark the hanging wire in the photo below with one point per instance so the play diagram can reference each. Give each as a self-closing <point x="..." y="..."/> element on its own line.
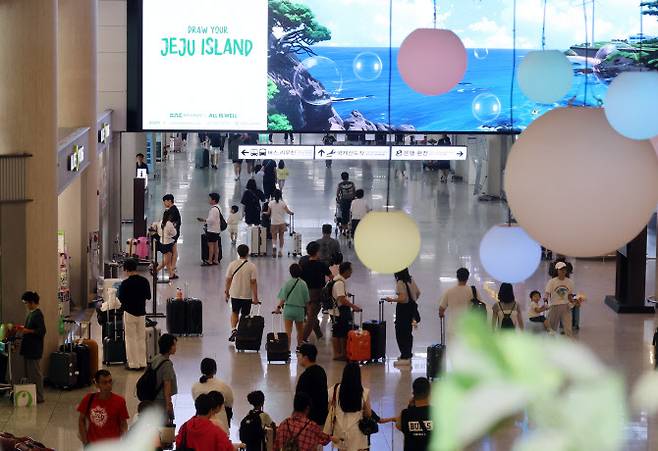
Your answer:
<point x="511" y="90"/>
<point x="434" y="13"/>
<point x="543" y="28"/>
<point x="639" y="60"/>
<point x="586" y="50"/>
<point x="390" y="77"/>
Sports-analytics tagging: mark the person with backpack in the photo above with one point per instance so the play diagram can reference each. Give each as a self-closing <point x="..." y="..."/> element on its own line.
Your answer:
<point x="254" y="427"/>
<point x="506" y="314"/>
<point x="343" y="323"/>
<point x="315" y="273"/>
<point x="103" y="414"/>
<point x="293" y="298"/>
<point x="329" y="246"/>
<point x="159" y="383"/>
<point x="209" y="383"/>
<point x="344" y="196"/>
<point x="298" y="432"/>
<point x="199" y="433"/>
<point x="214" y="223"/>
<point x="460" y="298"/>
<point x="406" y="311"/>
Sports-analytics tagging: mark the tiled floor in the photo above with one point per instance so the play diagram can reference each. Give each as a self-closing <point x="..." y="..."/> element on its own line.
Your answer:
<point x="452" y="223"/>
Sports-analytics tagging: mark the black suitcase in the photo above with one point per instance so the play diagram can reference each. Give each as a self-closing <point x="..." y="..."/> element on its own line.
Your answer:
<point x="83" y="361"/>
<point x="277" y="344"/>
<point x="114" y="346"/>
<point x="377" y="331"/>
<point x="193" y="316"/>
<point x="250" y="333"/>
<point x="176" y="320"/>
<point x="204" y="248"/>
<point x="63" y="370"/>
<point x="436" y="354"/>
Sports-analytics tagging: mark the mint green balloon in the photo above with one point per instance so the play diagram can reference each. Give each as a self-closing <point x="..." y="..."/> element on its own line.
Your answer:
<point x="545" y="76"/>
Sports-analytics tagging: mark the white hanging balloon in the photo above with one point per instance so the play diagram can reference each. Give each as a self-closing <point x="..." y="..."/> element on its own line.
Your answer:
<point x="508" y="254"/>
<point x="587" y="195"/>
<point x="631" y="104"/>
<point x="545" y="76"/>
<point x="387" y="242"/>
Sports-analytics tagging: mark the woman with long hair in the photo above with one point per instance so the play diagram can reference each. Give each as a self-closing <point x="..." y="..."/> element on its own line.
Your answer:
<point x="209" y="383"/>
<point x="506" y="313"/>
<point x="276" y="210"/>
<point x="406" y="311"/>
<point x="251" y="199"/>
<point x="166" y="230"/>
<point x="349" y="403"/>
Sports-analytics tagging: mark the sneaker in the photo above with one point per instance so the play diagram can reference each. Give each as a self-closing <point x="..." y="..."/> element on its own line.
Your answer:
<point x="234" y="333"/>
<point x="280" y="254"/>
<point x="402" y="362"/>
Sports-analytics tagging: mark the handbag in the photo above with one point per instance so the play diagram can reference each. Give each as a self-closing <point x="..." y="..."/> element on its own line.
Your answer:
<point x="415" y="314"/>
<point x="330" y="424"/>
<point x="368" y="425"/>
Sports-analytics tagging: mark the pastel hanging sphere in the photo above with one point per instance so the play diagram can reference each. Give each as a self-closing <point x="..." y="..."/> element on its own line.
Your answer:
<point x="545" y="76"/>
<point x="508" y="254"/>
<point x="631" y="104"/>
<point x="577" y="186"/>
<point x="654" y="142"/>
<point x="387" y="242"/>
<point x="432" y="61"/>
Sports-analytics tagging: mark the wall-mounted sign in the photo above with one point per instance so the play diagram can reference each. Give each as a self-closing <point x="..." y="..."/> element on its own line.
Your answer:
<point x="352" y="152"/>
<point x="276" y="152"/>
<point x="143" y="174"/>
<point x="103" y="133"/>
<point x="76" y="158"/>
<point x="428" y="153"/>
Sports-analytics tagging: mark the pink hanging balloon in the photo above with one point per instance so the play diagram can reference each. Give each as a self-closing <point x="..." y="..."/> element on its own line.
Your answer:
<point x="654" y="141"/>
<point x="432" y="61"/>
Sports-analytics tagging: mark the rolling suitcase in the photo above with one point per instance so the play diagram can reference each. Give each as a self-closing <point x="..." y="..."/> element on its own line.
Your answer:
<point x="142" y="248"/>
<point x="358" y="343"/>
<point x="250" y="332"/>
<point x="204" y="248"/>
<point x="435" y="355"/>
<point x="153" y="334"/>
<point x="114" y="347"/>
<point x="277" y="344"/>
<point x="258" y="241"/>
<point x="377" y="330"/>
<point x="193" y="317"/>
<point x="176" y="320"/>
<point x="91" y="345"/>
<point x="63" y="370"/>
<point x="296" y="239"/>
<point x="83" y="360"/>
<point x="201" y="158"/>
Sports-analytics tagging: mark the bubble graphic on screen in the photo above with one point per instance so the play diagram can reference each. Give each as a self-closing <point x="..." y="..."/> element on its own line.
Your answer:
<point x="367" y="66"/>
<point x="317" y="80"/>
<point x="486" y="107"/>
<point x="480" y="53"/>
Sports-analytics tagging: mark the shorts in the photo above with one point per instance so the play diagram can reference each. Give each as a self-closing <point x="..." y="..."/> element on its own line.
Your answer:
<point x="233" y="229"/>
<point x="343" y="323"/>
<point x="166" y="248"/>
<point x="214" y="151"/>
<point x="277" y="228"/>
<point x="294" y="313"/>
<point x="237" y="161"/>
<point x="212" y="237"/>
<point x="241" y="306"/>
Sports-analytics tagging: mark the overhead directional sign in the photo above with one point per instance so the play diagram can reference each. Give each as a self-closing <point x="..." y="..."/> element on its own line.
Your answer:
<point x="352" y="152"/>
<point x="428" y="152"/>
<point x="276" y="152"/>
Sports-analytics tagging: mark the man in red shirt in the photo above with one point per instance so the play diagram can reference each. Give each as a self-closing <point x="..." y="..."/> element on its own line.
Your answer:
<point x="103" y="415"/>
<point x="201" y="434"/>
<point x="300" y="429"/>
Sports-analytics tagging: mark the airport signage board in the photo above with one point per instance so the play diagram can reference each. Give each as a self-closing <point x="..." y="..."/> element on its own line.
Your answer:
<point x="352" y="152"/>
<point x="428" y="153"/>
<point x="276" y="152"/>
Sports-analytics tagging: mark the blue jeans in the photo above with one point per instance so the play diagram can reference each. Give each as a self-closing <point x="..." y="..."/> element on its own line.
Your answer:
<point x="575" y="317"/>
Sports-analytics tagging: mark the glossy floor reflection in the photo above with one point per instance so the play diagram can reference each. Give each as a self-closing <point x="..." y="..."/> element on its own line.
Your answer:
<point x="452" y="223"/>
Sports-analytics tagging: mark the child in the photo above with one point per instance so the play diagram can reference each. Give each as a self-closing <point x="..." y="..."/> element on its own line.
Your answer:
<point x="282" y="174"/>
<point x="257" y="428"/>
<point x="335" y="263"/>
<point x="536" y="311"/>
<point x="234" y="223"/>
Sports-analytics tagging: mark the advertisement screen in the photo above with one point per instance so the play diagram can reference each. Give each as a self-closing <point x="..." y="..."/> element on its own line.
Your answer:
<point x="317" y="65"/>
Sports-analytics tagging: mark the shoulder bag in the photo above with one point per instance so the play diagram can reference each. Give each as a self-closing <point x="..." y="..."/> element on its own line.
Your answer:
<point x="415" y="314"/>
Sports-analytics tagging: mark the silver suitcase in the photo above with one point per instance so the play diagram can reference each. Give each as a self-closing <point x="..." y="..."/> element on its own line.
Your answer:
<point x="152" y="336"/>
<point x="258" y="241"/>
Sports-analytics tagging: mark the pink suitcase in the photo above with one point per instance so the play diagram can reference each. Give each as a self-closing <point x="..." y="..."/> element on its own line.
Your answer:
<point x="142" y="248"/>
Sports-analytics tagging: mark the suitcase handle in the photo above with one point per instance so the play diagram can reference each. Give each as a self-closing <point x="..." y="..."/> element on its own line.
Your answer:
<point x="381" y="309"/>
<point x="443" y="330"/>
<point x="280" y="313"/>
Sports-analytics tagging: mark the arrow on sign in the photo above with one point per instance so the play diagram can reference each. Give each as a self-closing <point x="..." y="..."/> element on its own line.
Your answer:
<point x="321" y="152"/>
<point x="244" y="152"/>
<point x="460" y="153"/>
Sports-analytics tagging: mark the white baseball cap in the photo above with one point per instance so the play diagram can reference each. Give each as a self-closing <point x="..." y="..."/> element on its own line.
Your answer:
<point x="560" y="265"/>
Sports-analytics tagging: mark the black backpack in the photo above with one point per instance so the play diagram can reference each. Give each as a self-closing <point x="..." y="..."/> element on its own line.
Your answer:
<point x="147" y="388"/>
<point x="252" y="432"/>
<point x="507" y="322"/>
<point x="347" y="190"/>
<point x="327" y="297"/>
<point x="477" y="305"/>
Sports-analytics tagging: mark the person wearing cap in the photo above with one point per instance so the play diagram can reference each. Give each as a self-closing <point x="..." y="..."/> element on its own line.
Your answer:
<point x="559" y="292"/>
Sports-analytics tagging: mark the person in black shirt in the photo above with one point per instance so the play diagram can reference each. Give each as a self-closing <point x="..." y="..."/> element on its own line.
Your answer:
<point x="141" y="164"/>
<point x="168" y="201"/>
<point x="32" y="344"/>
<point x="415" y="421"/>
<point x="313" y="382"/>
<point x="133" y="293"/>
<point x="315" y="273"/>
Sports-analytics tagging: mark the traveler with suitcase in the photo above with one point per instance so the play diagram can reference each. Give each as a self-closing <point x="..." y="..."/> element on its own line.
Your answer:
<point x="293" y="298"/>
<point x="406" y="311"/>
<point x="215" y="224"/>
<point x="33" y="333"/>
<point x="276" y="210"/>
<point x="103" y="414"/>
<point x="315" y="273"/>
<point x="133" y="293"/>
<point x="241" y="287"/>
<point x="343" y="323"/>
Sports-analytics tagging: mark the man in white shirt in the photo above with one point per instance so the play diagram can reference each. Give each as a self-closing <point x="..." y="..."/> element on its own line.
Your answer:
<point x="559" y="292"/>
<point x="457" y="298"/>
<point x="360" y="208"/>
<point x="213" y="228"/>
<point x="241" y="287"/>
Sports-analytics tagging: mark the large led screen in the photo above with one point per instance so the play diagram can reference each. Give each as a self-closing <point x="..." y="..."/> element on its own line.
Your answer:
<point x="319" y="65"/>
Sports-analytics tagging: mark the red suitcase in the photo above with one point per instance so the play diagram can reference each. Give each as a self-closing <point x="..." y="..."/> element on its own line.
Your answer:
<point x="358" y="343"/>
